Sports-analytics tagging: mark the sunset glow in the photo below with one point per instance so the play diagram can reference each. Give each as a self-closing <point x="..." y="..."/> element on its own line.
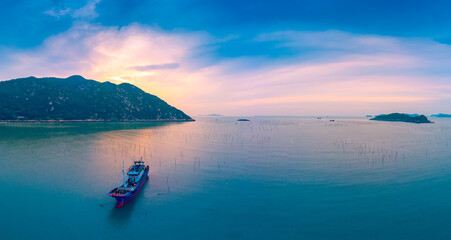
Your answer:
<point x="189" y="69"/>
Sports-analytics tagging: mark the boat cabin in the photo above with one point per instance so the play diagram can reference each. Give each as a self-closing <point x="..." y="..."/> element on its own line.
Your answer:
<point x="135" y="171"/>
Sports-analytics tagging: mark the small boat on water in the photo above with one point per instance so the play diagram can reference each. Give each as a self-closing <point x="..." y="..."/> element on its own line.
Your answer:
<point x="131" y="184"/>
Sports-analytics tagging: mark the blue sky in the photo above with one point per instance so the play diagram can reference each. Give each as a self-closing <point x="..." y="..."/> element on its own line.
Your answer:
<point x="243" y="57"/>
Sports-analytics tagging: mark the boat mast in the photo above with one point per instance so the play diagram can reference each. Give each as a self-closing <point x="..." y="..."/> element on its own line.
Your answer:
<point x="123" y="173"/>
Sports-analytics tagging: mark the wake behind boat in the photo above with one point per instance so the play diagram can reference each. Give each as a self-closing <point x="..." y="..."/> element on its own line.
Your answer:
<point x="132" y="183"/>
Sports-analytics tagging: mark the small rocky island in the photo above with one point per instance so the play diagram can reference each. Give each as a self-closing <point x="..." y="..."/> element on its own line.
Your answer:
<point x="78" y="99"/>
<point x="402" y="117"/>
<point x="442" y="115"/>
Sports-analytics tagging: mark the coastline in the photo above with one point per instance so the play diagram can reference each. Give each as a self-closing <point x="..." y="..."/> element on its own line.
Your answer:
<point x="98" y="120"/>
<point x="384" y="120"/>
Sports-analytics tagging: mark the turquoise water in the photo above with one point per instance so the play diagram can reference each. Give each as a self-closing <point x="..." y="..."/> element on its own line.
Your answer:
<point x="287" y="178"/>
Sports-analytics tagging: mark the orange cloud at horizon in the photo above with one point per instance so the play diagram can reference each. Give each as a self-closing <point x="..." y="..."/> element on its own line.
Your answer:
<point x="166" y="64"/>
<point x="327" y="98"/>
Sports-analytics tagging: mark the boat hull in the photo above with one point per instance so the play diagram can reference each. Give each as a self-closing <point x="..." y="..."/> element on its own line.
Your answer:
<point x="123" y="199"/>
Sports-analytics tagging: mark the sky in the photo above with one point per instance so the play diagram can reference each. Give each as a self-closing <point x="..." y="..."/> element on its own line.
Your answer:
<point x="290" y="58"/>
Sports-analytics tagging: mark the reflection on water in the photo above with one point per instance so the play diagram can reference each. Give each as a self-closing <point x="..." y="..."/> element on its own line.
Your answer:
<point x="121" y="216"/>
<point x="268" y="178"/>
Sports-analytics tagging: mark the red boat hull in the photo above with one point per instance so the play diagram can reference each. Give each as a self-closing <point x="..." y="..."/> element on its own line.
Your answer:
<point x="123" y="199"/>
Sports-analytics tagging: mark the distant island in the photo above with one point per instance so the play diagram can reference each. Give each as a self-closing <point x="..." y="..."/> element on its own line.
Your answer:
<point x="243" y="120"/>
<point x="401" y="117"/>
<point x="441" y="115"/>
<point x="79" y="99"/>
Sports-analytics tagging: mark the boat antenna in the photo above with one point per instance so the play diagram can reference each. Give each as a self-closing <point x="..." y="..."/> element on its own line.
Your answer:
<point x="123" y="173"/>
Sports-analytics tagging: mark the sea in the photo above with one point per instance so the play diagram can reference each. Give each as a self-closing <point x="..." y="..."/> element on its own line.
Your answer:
<point x="218" y="178"/>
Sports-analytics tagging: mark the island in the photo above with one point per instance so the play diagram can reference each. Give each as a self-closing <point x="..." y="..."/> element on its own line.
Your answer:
<point x="78" y="99"/>
<point x="441" y="115"/>
<point x="401" y="117"/>
<point x="243" y="120"/>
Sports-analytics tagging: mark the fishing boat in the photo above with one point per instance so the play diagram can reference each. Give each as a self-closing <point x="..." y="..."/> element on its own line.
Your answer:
<point x="131" y="183"/>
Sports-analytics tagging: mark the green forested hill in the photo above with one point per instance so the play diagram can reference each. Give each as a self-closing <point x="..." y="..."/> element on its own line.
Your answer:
<point x="76" y="98"/>
<point x="401" y="117"/>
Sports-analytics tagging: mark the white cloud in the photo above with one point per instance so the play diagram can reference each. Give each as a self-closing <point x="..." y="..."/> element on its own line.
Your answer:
<point x="86" y="12"/>
<point x="54" y="12"/>
<point x="159" y="62"/>
<point x="349" y="74"/>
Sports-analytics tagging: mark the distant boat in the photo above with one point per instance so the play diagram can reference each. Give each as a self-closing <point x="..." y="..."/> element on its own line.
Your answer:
<point x="332" y="120"/>
<point x="318" y="118"/>
<point x="243" y="120"/>
<point x="131" y="185"/>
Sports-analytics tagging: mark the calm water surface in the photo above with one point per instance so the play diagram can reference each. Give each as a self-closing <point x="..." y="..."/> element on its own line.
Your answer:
<point x="270" y="178"/>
